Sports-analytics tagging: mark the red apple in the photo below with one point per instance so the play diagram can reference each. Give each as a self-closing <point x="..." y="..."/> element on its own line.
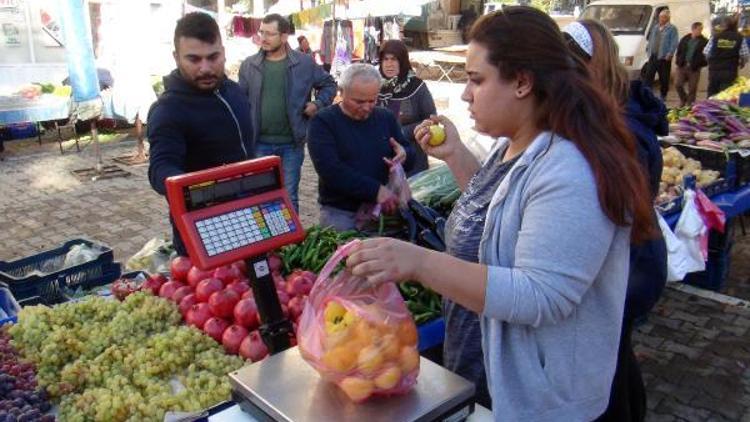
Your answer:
<point x="246" y="313"/>
<point x="215" y="327"/>
<point x="179" y="267"/>
<point x="153" y="284"/>
<point x="222" y="302"/>
<point x="198" y="315"/>
<point x="239" y="286"/>
<point x="196" y="275"/>
<point x="167" y="289"/>
<point x="232" y="338"/>
<point x="187" y="302"/>
<point x="253" y="347"/>
<point x="206" y="288"/>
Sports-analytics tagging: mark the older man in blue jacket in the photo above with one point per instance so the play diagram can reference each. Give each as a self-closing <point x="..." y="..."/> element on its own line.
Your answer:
<point x="202" y="119"/>
<point x="662" y="44"/>
<point x="279" y="82"/>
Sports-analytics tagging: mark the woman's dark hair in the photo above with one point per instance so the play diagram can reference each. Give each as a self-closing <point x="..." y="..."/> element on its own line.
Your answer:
<point x="398" y="49"/>
<point x="197" y="25"/>
<point x="524" y="40"/>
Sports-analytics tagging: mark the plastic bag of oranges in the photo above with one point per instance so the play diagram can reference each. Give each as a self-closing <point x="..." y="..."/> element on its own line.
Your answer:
<point x="359" y="336"/>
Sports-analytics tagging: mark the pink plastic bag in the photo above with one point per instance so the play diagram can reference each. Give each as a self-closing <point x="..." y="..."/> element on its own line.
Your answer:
<point x="398" y="184"/>
<point x="712" y="215"/>
<point x="359" y="336"/>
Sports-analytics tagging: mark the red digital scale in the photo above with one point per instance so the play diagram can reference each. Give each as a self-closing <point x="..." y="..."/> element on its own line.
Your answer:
<point x="233" y="212"/>
<point x="239" y="211"/>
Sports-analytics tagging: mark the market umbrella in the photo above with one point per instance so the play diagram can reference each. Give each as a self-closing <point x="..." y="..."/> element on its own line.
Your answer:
<point x="79" y="51"/>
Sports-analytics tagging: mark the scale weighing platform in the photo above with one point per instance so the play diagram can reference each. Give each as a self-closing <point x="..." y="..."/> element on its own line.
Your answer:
<point x="284" y="387"/>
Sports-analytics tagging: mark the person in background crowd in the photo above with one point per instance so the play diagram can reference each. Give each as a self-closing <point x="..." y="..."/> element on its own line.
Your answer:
<point x="646" y="117"/>
<point x="350" y="144"/>
<point x="690" y="60"/>
<point x="304" y="46"/>
<point x="726" y="52"/>
<point x="202" y="119"/>
<point x="279" y="82"/>
<point x="405" y="94"/>
<point x="661" y="46"/>
<point x="542" y="228"/>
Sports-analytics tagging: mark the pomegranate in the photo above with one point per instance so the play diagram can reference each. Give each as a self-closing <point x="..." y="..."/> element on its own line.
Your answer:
<point x="198" y="315"/>
<point x="283" y="297"/>
<point x="241" y="267"/>
<point x="246" y="313"/>
<point x="196" y="275"/>
<point x="153" y="284"/>
<point x="279" y="281"/>
<point x="222" y="302"/>
<point x="248" y="294"/>
<point x="186" y="303"/>
<point x="215" y="327"/>
<point x="206" y="288"/>
<point x="167" y="289"/>
<point x="180" y="294"/>
<point x="239" y="286"/>
<point x="296" y="305"/>
<point x="224" y="274"/>
<point x="232" y="338"/>
<point x="179" y="268"/>
<point x="299" y="284"/>
<point x="252" y="347"/>
<point x="274" y="263"/>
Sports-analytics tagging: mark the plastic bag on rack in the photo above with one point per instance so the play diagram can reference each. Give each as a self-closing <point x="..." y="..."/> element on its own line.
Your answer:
<point x="357" y="335"/>
<point x="693" y="233"/>
<point x="712" y="215"/>
<point x="154" y="257"/>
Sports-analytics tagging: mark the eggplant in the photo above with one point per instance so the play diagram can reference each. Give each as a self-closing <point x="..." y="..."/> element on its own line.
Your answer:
<point x="429" y="239"/>
<point x="411" y="224"/>
<point x="422" y="214"/>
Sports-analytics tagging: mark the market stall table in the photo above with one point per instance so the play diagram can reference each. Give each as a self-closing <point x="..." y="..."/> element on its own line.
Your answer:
<point x="447" y="63"/>
<point x="46" y="107"/>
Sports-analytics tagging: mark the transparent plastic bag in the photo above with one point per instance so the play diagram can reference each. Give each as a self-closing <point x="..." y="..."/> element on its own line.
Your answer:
<point x="398" y="184"/>
<point x="359" y="336"/>
<point x="154" y="257"/>
<point x="82" y="253"/>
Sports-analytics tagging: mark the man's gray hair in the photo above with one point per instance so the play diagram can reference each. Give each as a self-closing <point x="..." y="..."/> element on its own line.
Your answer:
<point x="362" y="72"/>
<point x="665" y="12"/>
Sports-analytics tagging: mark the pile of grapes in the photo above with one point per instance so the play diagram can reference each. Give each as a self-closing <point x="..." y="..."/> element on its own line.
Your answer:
<point x="19" y="398"/>
<point x="117" y="361"/>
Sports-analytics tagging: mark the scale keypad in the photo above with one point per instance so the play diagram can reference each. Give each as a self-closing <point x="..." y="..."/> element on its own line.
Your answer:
<point x="242" y="227"/>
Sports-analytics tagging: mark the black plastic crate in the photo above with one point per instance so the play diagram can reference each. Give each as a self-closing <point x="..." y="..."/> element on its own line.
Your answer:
<point x="742" y="169"/>
<point x="54" y="293"/>
<point x="33" y="275"/>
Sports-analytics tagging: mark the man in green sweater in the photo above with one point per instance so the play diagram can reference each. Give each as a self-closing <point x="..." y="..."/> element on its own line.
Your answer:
<point x="279" y="82"/>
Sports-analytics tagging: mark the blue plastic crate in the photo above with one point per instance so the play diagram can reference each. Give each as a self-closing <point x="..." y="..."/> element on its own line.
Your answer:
<point x="23" y="130"/>
<point x="44" y="272"/>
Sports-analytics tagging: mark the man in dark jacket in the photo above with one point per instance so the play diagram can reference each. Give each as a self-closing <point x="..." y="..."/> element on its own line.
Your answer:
<point x="726" y="52"/>
<point x="278" y="81"/>
<point x="690" y="60"/>
<point x="202" y="119"/>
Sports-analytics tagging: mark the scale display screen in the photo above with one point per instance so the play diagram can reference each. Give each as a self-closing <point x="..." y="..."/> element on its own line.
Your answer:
<point x="233" y="212"/>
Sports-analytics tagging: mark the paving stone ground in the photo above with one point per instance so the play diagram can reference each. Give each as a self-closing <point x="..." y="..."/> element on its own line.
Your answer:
<point x="695" y="351"/>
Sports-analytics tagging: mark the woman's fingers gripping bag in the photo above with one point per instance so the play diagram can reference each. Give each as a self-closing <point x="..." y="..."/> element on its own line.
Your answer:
<point x="357" y="335"/>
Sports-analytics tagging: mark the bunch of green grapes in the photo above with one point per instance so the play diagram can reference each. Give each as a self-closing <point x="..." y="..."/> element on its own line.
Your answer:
<point x="106" y="360"/>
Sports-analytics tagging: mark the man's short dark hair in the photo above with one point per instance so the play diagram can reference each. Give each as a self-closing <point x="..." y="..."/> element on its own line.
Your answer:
<point x="301" y="38"/>
<point x="281" y="23"/>
<point x="696" y="25"/>
<point x="197" y="25"/>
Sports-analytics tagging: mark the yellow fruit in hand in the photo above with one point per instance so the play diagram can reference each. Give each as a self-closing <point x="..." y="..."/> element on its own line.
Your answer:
<point x="370" y="359"/>
<point x="437" y="135"/>
<point x="357" y="388"/>
<point x="388" y="378"/>
<point x="409" y="359"/>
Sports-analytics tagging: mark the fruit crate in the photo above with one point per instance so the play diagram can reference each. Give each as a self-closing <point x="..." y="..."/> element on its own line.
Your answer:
<point x="731" y="164"/>
<point x="54" y="293"/>
<point x="44" y="272"/>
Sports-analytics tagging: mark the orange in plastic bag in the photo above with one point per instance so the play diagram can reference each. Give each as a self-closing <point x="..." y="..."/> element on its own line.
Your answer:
<point x="359" y="336"/>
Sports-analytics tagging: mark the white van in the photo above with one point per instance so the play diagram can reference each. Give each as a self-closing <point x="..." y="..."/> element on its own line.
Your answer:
<point x="630" y="22"/>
